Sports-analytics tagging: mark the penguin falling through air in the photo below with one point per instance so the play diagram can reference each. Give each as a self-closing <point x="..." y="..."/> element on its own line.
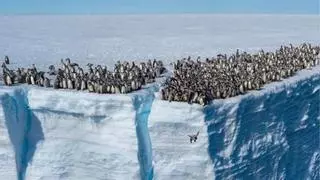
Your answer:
<point x="194" y="137"/>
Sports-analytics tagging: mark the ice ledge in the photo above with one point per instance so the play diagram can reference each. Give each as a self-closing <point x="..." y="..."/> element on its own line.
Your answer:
<point x="272" y="88"/>
<point x="19" y="102"/>
<point x="74" y="102"/>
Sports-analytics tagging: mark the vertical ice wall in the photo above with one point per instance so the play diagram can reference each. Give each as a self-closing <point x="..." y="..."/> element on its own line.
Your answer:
<point x="24" y="129"/>
<point x="273" y="135"/>
<point x="86" y="136"/>
<point x="7" y="150"/>
<point x="60" y="135"/>
<point x="173" y="155"/>
<point x="7" y="153"/>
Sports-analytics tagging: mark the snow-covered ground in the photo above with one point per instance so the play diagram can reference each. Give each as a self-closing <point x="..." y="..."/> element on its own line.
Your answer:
<point x="106" y="39"/>
<point x="61" y="134"/>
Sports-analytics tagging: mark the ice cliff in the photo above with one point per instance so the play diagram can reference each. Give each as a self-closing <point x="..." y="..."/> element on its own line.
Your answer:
<point x="272" y="134"/>
<point x="61" y="134"/>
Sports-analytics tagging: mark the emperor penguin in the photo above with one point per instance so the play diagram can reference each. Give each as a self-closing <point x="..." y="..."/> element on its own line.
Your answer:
<point x="64" y="83"/>
<point x="170" y="96"/>
<point x="7" y="79"/>
<point x="28" y="79"/>
<point x="139" y="85"/>
<point x="108" y="88"/>
<point x="52" y="70"/>
<point x="163" y="94"/>
<point x="39" y="81"/>
<point x="202" y="100"/>
<point x="124" y="89"/>
<point x="245" y="85"/>
<point x="113" y="89"/>
<point x="103" y="88"/>
<point x="194" y="137"/>
<point x="42" y="78"/>
<point x="96" y="85"/>
<point x="117" y="89"/>
<point x="158" y="72"/>
<point x="70" y="83"/>
<point x="46" y="82"/>
<point x="241" y="89"/>
<point x="90" y="86"/>
<point x="130" y="75"/>
<point x="32" y="79"/>
<point x="218" y="94"/>
<point x="278" y="77"/>
<point x="19" y="76"/>
<point x="224" y="94"/>
<point x="34" y="69"/>
<point x="56" y="84"/>
<point x="264" y="77"/>
<point x="83" y="84"/>
<point x="61" y="83"/>
<point x="249" y="85"/>
<point x="122" y="76"/>
<point x="77" y="83"/>
<point x="6" y="60"/>
<point x="133" y="85"/>
<point x="194" y="97"/>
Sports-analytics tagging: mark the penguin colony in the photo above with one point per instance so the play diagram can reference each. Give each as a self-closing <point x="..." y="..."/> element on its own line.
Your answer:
<point x="192" y="81"/>
<point x="228" y="76"/>
<point x="125" y="78"/>
<point x="22" y="75"/>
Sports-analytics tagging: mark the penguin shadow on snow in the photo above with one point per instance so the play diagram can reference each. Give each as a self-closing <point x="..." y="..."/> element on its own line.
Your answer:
<point x="24" y="130"/>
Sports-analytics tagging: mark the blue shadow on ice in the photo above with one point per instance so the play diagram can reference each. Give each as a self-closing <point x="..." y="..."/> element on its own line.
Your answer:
<point x="24" y="129"/>
<point x="94" y="118"/>
<point x="273" y="136"/>
<point x="142" y="103"/>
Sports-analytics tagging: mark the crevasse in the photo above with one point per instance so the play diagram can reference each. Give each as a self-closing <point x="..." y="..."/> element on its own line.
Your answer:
<point x="143" y="103"/>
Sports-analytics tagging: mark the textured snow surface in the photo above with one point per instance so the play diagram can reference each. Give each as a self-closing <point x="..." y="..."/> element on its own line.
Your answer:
<point x="75" y="138"/>
<point x="84" y="134"/>
<point x="105" y="39"/>
<point x="173" y="155"/>
<point x="7" y="145"/>
<point x="62" y="134"/>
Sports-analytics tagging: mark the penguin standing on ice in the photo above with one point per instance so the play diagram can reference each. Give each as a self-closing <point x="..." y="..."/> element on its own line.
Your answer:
<point x="56" y="83"/>
<point x="46" y="82"/>
<point x="52" y="70"/>
<point x="6" y="60"/>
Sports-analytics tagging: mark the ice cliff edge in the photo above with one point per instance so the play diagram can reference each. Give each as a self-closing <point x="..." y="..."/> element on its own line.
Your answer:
<point x="46" y="134"/>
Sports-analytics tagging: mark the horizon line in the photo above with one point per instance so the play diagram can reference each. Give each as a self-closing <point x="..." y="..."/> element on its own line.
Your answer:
<point x="157" y="13"/>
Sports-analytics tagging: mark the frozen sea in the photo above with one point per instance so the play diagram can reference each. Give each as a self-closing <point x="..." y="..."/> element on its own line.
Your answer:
<point x="50" y="134"/>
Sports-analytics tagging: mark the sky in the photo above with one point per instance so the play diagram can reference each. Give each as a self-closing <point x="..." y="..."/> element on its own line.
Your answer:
<point x="159" y="6"/>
